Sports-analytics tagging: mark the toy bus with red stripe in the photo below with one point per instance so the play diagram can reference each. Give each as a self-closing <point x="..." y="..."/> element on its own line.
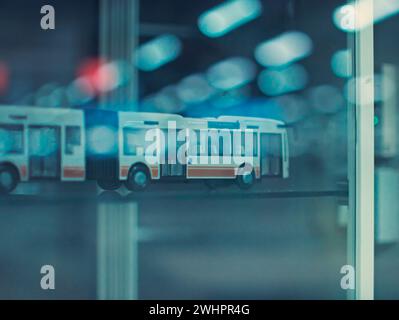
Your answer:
<point x="135" y="148"/>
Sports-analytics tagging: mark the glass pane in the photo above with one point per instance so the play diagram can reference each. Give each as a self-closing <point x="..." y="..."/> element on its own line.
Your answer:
<point x="11" y="137"/>
<point x="168" y="223"/>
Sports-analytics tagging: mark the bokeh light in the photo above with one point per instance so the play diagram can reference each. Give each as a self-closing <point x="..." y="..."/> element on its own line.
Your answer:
<point x="158" y="52"/>
<point x="100" y="76"/>
<point x="101" y="140"/>
<point x="194" y="89"/>
<point x="4" y="77"/>
<point x="275" y="82"/>
<point x="231" y="73"/>
<point x="231" y="98"/>
<point x="228" y="16"/>
<point x="341" y="63"/>
<point x="326" y="98"/>
<point x="284" y="49"/>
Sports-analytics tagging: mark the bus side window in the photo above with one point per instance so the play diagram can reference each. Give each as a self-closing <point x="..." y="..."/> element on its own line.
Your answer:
<point x="11" y="139"/>
<point x="131" y="140"/>
<point x="225" y="143"/>
<point x="203" y="145"/>
<point x="276" y="151"/>
<point x="251" y="143"/>
<point x="238" y="144"/>
<point x="285" y="141"/>
<point x="72" y="139"/>
<point x="192" y="142"/>
<point x="213" y="143"/>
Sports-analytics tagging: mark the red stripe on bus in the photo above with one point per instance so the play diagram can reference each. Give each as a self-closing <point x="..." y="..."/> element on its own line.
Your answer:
<point x="203" y="171"/>
<point x="154" y="172"/>
<point x="22" y="170"/>
<point x="74" y="172"/>
<point x="257" y="172"/>
<point x="211" y="172"/>
<point x="125" y="171"/>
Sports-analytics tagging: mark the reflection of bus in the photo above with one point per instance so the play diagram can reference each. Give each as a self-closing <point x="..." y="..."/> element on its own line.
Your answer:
<point x="111" y="147"/>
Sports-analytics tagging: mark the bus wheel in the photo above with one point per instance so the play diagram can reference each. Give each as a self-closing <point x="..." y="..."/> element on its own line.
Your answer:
<point x="109" y="184"/>
<point x="138" y="178"/>
<point x="245" y="180"/>
<point x="8" y="179"/>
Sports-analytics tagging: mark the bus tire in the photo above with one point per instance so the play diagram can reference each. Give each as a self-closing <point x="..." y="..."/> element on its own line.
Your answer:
<point x="109" y="185"/>
<point x="9" y="178"/>
<point x="138" y="178"/>
<point x="245" y="180"/>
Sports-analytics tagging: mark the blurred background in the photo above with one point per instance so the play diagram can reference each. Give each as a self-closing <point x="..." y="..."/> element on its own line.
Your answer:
<point x="288" y="59"/>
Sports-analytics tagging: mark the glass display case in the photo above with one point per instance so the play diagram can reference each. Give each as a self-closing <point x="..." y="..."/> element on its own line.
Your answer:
<point x="83" y="85"/>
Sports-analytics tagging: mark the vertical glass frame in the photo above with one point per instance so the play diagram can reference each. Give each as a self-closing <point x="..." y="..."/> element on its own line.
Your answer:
<point x="361" y="153"/>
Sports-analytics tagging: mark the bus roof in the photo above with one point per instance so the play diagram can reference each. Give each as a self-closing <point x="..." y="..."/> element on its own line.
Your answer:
<point x="248" y="119"/>
<point x="34" y="109"/>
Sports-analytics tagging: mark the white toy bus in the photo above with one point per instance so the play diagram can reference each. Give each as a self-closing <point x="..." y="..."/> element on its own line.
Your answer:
<point x="136" y="148"/>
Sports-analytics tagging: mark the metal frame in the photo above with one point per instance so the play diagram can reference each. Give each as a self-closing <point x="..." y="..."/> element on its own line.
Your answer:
<point x="117" y="223"/>
<point x="118" y="38"/>
<point x="364" y="153"/>
<point x="117" y="250"/>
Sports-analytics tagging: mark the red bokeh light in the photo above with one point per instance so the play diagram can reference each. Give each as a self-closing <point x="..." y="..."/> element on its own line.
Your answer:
<point x="4" y="77"/>
<point x="99" y="76"/>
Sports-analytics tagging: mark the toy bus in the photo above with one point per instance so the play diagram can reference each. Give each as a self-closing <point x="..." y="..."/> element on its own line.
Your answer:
<point x="112" y="148"/>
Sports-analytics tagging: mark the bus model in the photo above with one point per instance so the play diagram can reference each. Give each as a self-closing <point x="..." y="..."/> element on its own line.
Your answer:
<point x="113" y="147"/>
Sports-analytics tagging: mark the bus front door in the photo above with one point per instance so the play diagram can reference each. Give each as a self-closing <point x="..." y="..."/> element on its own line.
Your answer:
<point x="271" y="154"/>
<point x="44" y="152"/>
<point x="171" y="164"/>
